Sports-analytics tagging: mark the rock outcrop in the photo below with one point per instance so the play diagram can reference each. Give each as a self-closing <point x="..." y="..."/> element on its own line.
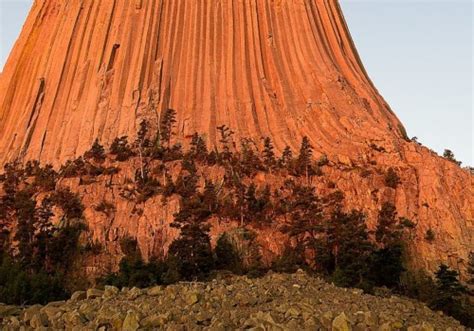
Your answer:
<point x="285" y="69"/>
<point x="275" y="302"/>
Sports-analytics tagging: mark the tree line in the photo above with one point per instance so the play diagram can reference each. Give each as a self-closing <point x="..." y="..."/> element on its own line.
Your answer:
<point x="323" y="236"/>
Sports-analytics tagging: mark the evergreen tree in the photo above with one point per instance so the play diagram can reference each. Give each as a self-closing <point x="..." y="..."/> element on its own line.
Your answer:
<point x="141" y="144"/>
<point x="121" y="148"/>
<point x="250" y="162"/>
<point x="388" y="231"/>
<point x="193" y="251"/>
<point x="225" y="141"/>
<point x="25" y="212"/>
<point x="142" y="140"/>
<point x="70" y="203"/>
<point x="209" y="196"/>
<point x="303" y="163"/>
<point x="96" y="153"/>
<point x="166" y="127"/>
<point x="133" y="271"/>
<point x="449" y="155"/>
<point x="45" y="178"/>
<point x="187" y="181"/>
<point x="303" y="214"/>
<point x="386" y="263"/>
<point x="448" y="291"/>
<point x="198" y="150"/>
<point x="269" y="159"/>
<point x="344" y="249"/>
<point x="286" y="159"/>
<point x="386" y="266"/>
<point x="44" y="232"/>
<point x="257" y="204"/>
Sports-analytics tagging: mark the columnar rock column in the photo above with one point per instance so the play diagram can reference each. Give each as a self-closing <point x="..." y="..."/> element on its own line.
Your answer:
<point x="93" y="69"/>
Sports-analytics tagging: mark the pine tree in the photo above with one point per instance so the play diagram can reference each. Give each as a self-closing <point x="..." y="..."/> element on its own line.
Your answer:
<point x="448" y="290"/>
<point x="388" y="231"/>
<point x="286" y="158"/>
<point x="96" y="153"/>
<point x="387" y="262"/>
<point x="25" y="207"/>
<point x="209" y="196"/>
<point x="142" y="140"/>
<point x="166" y="127"/>
<point x="225" y="141"/>
<point x="250" y="162"/>
<point x="187" y="181"/>
<point x="44" y="231"/>
<point x="141" y="144"/>
<point x="303" y="163"/>
<point x="269" y="159"/>
<point x="304" y="215"/>
<point x="45" y="178"/>
<point x="344" y="248"/>
<point x="449" y="155"/>
<point x="198" y="149"/>
<point x="121" y="148"/>
<point x="193" y="251"/>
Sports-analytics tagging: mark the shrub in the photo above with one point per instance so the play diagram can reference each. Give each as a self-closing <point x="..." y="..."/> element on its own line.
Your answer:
<point x="105" y="207"/>
<point x="96" y="153"/>
<point x="430" y="235"/>
<point x="391" y="178"/>
<point x="121" y="148"/>
<point x="449" y="155"/>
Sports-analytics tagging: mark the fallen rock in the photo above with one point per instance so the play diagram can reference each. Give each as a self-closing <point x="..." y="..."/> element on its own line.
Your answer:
<point x="94" y="293"/>
<point x="341" y="323"/>
<point x="230" y="303"/>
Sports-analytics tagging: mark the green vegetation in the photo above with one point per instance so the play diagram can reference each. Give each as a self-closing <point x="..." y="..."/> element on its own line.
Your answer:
<point x="449" y="155"/>
<point x="35" y="259"/>
<point x="323" y="237"/>
<point x="392" y="179"/>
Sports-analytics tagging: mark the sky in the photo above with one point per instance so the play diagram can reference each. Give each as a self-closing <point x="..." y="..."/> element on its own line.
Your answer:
<point x="419" y="54"/>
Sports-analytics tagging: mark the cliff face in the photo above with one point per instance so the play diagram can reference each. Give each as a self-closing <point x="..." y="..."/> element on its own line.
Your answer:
<point x="85" y="69"/>
<point x="284" y="69"/>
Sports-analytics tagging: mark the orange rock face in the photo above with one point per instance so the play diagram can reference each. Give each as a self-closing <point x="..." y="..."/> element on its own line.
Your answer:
<point x="85" y="69"/>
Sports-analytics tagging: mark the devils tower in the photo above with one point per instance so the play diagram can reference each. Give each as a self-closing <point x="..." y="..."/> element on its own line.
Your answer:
<point x="84" y="70"/>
